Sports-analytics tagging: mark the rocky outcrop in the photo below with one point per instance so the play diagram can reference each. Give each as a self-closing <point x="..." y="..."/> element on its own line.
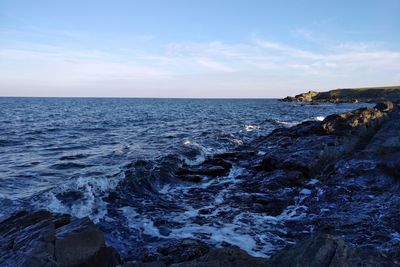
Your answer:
<point x="211" y="167"/>
<point x="225" y="257"/>
<point x="309" y="146"/>
<point x="304" y="97"/>
<point x="355" y="95"/>
<point x="357" y="121"/>
<point x="324" y="250"/>
<point x="319" y="250"/>
<point x="44" y="239"/>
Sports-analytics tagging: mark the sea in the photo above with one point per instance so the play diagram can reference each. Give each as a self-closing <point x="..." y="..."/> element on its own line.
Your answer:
<point x="113" y="160"/>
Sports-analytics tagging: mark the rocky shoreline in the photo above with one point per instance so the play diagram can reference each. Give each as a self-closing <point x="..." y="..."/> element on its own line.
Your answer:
<point x="345" y="170"/>
<point x="356" y="95"/>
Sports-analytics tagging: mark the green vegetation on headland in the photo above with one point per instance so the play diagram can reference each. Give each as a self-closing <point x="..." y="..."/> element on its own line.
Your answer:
<point x="366" y="95"/>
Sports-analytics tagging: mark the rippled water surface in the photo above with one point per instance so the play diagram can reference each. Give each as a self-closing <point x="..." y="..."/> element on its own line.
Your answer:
<point x="72" y="155"/>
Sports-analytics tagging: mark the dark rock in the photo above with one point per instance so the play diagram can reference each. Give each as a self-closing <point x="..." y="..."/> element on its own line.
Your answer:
<point x="304" y="97"/>
<point x="271" y="204"/>
<point x="390" y="164"/>
<point x="237" y="155"/>
<point x="365" y="95"/>
<point x="42" y="238"/>
<point x="181" y="250"/>
<point x="387" y="139"/>
<point x="273" y="180"/>
<point x="77" y="242"/>
<point x="324" y="250"/>
<point x="104" y="257"/>
<point x="225" y="257"/>
<point x="384" y="106"/>
<point x="144" y="264"/>
<point x="190" y="177"/>
<point x="211" y="167"/>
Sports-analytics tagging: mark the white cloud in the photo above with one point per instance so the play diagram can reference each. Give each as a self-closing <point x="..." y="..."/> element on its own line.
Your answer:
<point x="255" y="68"/>
<point x="215" y="65"/>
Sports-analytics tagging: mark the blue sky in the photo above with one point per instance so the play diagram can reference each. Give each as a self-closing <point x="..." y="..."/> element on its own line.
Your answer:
<point x="176" y="48"/>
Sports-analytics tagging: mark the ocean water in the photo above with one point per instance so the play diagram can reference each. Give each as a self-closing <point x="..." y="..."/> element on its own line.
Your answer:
<point x="114" y="161"/>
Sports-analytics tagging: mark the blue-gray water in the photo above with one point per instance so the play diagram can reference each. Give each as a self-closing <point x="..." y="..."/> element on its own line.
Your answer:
<point x="68" y="154"/>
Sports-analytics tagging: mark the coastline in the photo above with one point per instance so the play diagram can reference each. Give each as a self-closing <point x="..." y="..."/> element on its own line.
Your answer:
<point x="351" y="95"/>
<point x="349" y="156"/>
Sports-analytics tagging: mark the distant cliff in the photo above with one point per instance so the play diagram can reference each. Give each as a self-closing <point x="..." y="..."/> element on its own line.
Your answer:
<point x="366" y="95"/>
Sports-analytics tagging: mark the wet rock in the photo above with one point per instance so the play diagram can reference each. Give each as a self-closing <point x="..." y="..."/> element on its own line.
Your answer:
<point x="42" y="238"/>
<point x="324" y="250"/>
<point x="390" y="164"/>
<point x="308" y="154"/>
<point x="271" y="204"/>
<point x="144" y="264"/>
<point x="190" y="177"/>
<point x="77" y="242"/>
<point x="237" y="155"/>
<point x="105" y="257"/>
<point x="181" y="250"/>
<point x="27" y="239"/>
<point x="224" y="257"/>
<point x="273" y="180"/>
<point x="211" y="167"/>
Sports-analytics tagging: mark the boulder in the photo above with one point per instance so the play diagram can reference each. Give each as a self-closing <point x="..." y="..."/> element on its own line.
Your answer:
<point x="384" y="106"/>
<point x="224" y="257"/>
<point x="181" y="251"/>
<point x="212" y="167"/>
<point x="304" y="97"/>
<point x="325" y="250"/>
<point x="42" y="238"/>
<point x="144" y="264"/>
<point x="77" y="242"/>
<point x="354" y="122"/>
<point x="390" y="164"/>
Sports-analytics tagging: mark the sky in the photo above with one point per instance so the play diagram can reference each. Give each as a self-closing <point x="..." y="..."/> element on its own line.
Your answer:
<point x="196" y="48"/>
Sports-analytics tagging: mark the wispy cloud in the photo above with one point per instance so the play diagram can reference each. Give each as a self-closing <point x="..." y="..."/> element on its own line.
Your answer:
<point x="215" y="65"/>
<point x="257" y="63"/>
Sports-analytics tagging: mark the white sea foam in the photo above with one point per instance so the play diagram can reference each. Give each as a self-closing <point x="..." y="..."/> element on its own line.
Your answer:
<point x="250" y="128"/>
<point x="288" y="123"/>
<point x="202" y="151"/>
<point x="313" y="181"/>
<point x="249" y="231"/>
<point x="142" y="224"/>
<point x="194" y="161"/>
<point x="319" y="118"/>
<point x="261" y="153"/>
<point x="89" y="197"/>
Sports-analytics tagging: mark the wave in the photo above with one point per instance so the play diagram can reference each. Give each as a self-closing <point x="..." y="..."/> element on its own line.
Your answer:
<point x="69" y="165"/>
<point x="193" y="153"/>
<point x="296" y="122"/>
<point x="81" y="197"/>
<point x="74" y="157"/>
